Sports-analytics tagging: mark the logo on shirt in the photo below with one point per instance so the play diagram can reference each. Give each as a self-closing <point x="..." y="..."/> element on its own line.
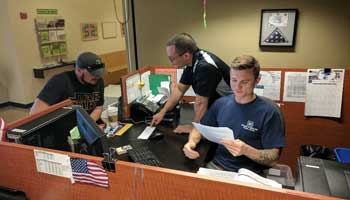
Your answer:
<point x="249" y="126"/>
<point x="87" y="100"/>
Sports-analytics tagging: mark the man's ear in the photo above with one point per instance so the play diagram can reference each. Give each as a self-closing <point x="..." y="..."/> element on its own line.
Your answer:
<point x="188" y="57"/>
<point x="78" y="69"/>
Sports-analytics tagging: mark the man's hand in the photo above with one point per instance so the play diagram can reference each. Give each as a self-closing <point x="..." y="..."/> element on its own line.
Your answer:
<point x="157" y="118"/>
<point x="189" y="150"/>
<point x="235" y="147"/>
<point x="180" y="129"/>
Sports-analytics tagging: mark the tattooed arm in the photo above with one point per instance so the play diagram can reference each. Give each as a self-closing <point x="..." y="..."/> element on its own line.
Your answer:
<point x="268" y="157"/>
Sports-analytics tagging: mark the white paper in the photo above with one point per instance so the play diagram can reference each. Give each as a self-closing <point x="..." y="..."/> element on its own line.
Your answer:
<point x="271" y="82"/>
<point x="145" y="90"/>
<point x="243" y="175"/>
<point x="53" y="163"/>
<point x="225" y="175"/>
<point x="163" y="91"/>
<point x="61" y="35"/>
<point x="157" y="98"/>
<point x="279" y="19"/>
<point x="294" y="86"/>
<point x="52" y="35"/>
<point x="190" y="92"/>
<point x="165" y="84"/>
<point x="146" y="133"/>
<point x="214" y="134"/>
<point x="248" y="176"/>
<point x="324" y="92"/>
<point x="133" y="90"/>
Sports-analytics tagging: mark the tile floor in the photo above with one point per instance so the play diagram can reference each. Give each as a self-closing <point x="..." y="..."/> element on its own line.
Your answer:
<point x="10" y="113"/>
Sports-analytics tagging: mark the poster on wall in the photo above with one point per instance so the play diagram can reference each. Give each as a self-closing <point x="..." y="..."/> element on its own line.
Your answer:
<point x="89" y="31"/>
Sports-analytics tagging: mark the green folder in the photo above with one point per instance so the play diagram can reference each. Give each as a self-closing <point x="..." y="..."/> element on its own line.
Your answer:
<point x="155" y="79"/>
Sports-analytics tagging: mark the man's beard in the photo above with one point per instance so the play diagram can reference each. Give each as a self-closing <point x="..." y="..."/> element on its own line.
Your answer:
<point x="86" y="83"/>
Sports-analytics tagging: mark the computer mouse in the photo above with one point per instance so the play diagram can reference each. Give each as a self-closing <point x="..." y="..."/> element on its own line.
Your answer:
<point x="156" y="136"/>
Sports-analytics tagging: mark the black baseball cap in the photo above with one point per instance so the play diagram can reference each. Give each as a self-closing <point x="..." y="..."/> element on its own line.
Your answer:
<point x="91" y="62"/>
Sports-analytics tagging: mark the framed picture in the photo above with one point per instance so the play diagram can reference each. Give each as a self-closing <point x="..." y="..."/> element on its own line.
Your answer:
<point x="89" y="31"/>
<point x="109" y="30"/>
<point x="278" y="27"/>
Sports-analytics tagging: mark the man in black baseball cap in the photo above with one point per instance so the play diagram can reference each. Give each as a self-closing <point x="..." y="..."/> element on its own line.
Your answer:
<point x="91" y="62"/>
<point x="84" y="86"/>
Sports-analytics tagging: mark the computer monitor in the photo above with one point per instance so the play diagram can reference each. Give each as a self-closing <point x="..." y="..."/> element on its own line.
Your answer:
<point x="49" y="131"/>
<point x="93" y="137"/>
<point x="53" y="130"/>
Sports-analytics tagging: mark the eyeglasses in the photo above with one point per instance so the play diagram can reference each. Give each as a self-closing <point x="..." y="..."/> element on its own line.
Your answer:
<point x="172" y="58"/>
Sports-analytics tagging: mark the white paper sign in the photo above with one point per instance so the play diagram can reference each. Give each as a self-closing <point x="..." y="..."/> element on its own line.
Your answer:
<point x="53" y="163"/>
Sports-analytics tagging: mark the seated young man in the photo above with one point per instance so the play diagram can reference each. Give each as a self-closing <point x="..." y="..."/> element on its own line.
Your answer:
<point x="256" y="122"/>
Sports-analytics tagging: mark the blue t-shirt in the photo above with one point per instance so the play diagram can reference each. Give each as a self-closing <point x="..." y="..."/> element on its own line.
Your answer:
<point x="258" y="123"/>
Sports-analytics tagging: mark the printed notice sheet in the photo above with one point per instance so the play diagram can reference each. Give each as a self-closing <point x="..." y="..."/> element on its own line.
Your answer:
<point x="294" y="86"/>
<point x="214" y="134"/>
<point x="269" y="85"/>
<point x="132" y="87"/>
<point x="53" y="163"/>
<point x="324" y="92"/>
<point x="190" y="91"/>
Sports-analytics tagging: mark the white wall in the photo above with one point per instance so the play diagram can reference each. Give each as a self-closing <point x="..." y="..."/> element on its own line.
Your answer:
<point x="21" y="52"/>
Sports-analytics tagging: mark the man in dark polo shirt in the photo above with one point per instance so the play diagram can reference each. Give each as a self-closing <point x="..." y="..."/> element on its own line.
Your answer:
<point x="208" y="75"/>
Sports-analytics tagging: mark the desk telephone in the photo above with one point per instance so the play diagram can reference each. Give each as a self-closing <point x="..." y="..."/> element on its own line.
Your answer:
<point x="142" y="108"/>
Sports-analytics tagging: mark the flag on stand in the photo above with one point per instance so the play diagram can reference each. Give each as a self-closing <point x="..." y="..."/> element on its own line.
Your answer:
<point x="85" y="171"/>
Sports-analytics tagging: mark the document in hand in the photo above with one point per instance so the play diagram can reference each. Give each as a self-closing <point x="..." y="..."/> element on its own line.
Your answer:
<point x="243" y="175"/>
<point x="214" y="134"/>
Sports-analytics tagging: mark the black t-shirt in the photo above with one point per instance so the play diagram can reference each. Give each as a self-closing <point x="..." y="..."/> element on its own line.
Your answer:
<point x="66" y="85"/>
<point x="209" y="76"/>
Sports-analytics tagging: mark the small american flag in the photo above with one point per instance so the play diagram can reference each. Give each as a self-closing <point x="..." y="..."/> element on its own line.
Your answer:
<point x="88" y="172"/>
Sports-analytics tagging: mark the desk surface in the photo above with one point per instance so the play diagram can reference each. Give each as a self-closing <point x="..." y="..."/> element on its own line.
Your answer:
<point x="168" y="149"/>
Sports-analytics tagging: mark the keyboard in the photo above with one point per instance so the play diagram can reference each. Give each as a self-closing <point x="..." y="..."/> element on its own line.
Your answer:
<point x="143" y="155"/>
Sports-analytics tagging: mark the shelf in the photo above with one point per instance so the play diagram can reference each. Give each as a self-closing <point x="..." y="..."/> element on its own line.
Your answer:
<point x="50" y="42"/>
<point x="50" y="29"/>
<point x="39" y="72"/>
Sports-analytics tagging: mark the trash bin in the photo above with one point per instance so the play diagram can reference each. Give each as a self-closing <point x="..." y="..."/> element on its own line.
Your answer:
<point x="342" y="155"/>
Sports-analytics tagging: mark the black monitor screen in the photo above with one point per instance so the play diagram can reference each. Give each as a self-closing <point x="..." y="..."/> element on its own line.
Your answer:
<point x="87" y="127"/>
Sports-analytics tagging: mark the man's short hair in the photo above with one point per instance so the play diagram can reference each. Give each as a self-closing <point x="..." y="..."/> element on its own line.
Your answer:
<point x="183" y="43"/>
<point x="246" y="62"/>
